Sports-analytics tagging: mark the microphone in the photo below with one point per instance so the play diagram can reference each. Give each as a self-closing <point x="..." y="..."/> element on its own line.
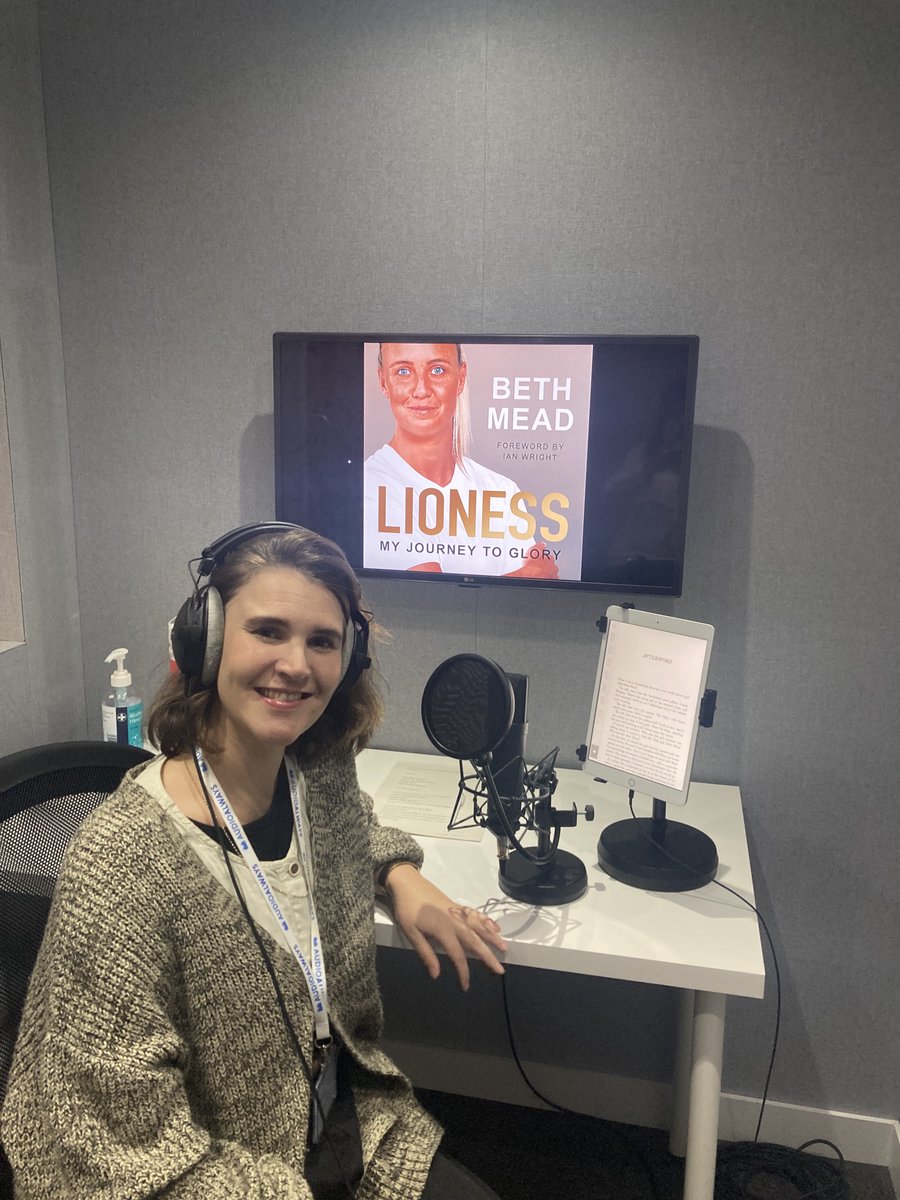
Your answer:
<point x="507" y="766"/>
<point x="472" y="709"/>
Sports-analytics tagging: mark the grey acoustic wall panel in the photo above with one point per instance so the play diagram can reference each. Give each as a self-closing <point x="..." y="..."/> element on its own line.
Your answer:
<point x="41" y="681"/>
<point x="220" y="173"/>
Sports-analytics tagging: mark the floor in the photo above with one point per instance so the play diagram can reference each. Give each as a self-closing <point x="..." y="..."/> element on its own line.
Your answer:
<point x="530" y="1154"/>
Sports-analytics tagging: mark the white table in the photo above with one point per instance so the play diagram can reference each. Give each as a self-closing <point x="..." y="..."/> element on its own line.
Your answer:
<point x="705" y="942"/>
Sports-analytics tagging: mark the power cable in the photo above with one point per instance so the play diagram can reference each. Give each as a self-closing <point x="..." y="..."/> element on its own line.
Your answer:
<point x="621" y="1134"/>
<point x="743" y="1168"/>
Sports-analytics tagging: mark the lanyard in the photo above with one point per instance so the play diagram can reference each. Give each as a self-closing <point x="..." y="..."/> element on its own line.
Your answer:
<point x="314" y="970"/>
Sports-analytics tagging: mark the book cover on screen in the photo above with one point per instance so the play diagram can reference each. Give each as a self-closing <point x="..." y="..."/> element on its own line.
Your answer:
<point x="475" y="458"/>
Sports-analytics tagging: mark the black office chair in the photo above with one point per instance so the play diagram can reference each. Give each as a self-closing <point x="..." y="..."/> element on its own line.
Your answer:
<point x="45" y="794"/>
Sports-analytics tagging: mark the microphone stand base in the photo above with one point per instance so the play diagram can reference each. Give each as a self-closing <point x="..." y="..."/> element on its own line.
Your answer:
<point x="560" y="881"/>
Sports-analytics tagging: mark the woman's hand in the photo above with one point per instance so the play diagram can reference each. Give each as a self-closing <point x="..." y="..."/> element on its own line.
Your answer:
<point x="425" y="915"/>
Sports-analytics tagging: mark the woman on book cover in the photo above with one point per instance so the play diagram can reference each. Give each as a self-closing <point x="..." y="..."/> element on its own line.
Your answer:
<point x="461" y="523"/>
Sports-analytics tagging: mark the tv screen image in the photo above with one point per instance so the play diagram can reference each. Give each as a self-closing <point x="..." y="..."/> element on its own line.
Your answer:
<point x="521" y="461"/>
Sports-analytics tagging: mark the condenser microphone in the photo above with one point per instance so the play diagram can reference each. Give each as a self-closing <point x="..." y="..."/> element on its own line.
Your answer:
<point x="472" y="709"/>
<point x="507" y="764"/>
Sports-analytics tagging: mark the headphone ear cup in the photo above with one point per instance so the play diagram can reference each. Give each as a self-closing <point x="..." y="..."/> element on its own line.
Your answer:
<point x="355" y="657"/>
<point x="189" y="637"/>
<point x="197" y="638"/>
<point x="215" y="635"/>
<point x="347" y="650"/>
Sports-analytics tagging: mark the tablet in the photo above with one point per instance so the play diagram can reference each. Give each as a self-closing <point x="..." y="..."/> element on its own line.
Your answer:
<point x="646" y="707"/>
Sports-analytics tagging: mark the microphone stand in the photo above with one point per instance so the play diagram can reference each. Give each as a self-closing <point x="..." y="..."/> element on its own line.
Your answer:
<point x="546" y="874"/>
<point x="472" y="709"/>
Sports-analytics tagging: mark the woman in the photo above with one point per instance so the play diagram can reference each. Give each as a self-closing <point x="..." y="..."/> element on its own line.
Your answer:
<point x="203" y="1018"/>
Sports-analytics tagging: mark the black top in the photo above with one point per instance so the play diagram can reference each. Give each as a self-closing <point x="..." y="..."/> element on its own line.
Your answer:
<point x="269" y="835"/>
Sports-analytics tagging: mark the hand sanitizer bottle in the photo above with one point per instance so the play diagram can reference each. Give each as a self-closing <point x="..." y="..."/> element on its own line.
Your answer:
<point x="122" y="711"/>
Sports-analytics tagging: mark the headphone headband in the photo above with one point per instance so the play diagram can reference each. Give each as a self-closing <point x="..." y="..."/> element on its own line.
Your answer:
<point x="211" y="556"/>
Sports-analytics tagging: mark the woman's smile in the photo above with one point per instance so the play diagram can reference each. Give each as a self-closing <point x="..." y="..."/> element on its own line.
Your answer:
<point x="282" y="698"/>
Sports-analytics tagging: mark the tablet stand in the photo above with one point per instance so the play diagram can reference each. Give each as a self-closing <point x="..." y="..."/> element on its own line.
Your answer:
<point x="653" y="852"/>
<point x="657" y="854"/>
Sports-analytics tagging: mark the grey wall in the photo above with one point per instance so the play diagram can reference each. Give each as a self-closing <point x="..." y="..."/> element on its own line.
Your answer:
<point x="42" y="680"/>
<point x="222" y="172"/>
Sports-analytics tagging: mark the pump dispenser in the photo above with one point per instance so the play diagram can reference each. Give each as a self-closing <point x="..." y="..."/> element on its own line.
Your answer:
<point x="122" y="711"/>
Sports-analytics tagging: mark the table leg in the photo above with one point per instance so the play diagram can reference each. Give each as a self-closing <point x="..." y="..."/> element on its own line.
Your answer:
<point x="681" y="1089"/>
<point x="705" y="1093"/>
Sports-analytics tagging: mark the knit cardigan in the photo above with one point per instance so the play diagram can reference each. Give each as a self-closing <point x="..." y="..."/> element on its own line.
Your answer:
<point x="152" y="1060"/>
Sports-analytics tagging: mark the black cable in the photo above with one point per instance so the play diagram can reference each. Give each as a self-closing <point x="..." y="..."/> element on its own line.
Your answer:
<point x="634" y="1149"/>
<point x="759" y="917"/>
<point x="742" y="1168"/>
<point x="279" y="995"/>
<point x="485" y="778"/>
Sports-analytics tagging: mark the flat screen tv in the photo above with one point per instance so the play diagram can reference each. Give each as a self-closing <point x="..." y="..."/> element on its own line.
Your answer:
<point x="518" y="461"/>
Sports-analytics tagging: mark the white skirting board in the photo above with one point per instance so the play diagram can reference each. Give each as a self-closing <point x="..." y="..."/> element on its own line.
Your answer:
<point x="874" y="1140"/>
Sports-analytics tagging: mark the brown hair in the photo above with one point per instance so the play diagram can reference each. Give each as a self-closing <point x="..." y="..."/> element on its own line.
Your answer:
<point x="179" y="720"/>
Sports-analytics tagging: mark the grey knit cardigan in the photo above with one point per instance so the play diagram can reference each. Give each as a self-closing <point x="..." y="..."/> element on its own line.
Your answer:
<point x="152" y="1059"/>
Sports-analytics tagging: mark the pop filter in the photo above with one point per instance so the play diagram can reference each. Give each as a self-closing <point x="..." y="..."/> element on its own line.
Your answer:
<point x="467" y="706"/>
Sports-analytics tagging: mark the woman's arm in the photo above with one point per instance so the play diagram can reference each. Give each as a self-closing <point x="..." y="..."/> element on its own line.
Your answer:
<point x="388" y="846"/>
<point x="423" y="913"/>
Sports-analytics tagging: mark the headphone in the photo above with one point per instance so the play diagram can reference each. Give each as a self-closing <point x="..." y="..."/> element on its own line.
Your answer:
<point x="200" y="624"/>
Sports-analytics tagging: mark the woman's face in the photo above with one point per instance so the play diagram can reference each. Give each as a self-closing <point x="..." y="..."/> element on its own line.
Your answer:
<point x="281" y="659"/>
<point x="422" y="382"/>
